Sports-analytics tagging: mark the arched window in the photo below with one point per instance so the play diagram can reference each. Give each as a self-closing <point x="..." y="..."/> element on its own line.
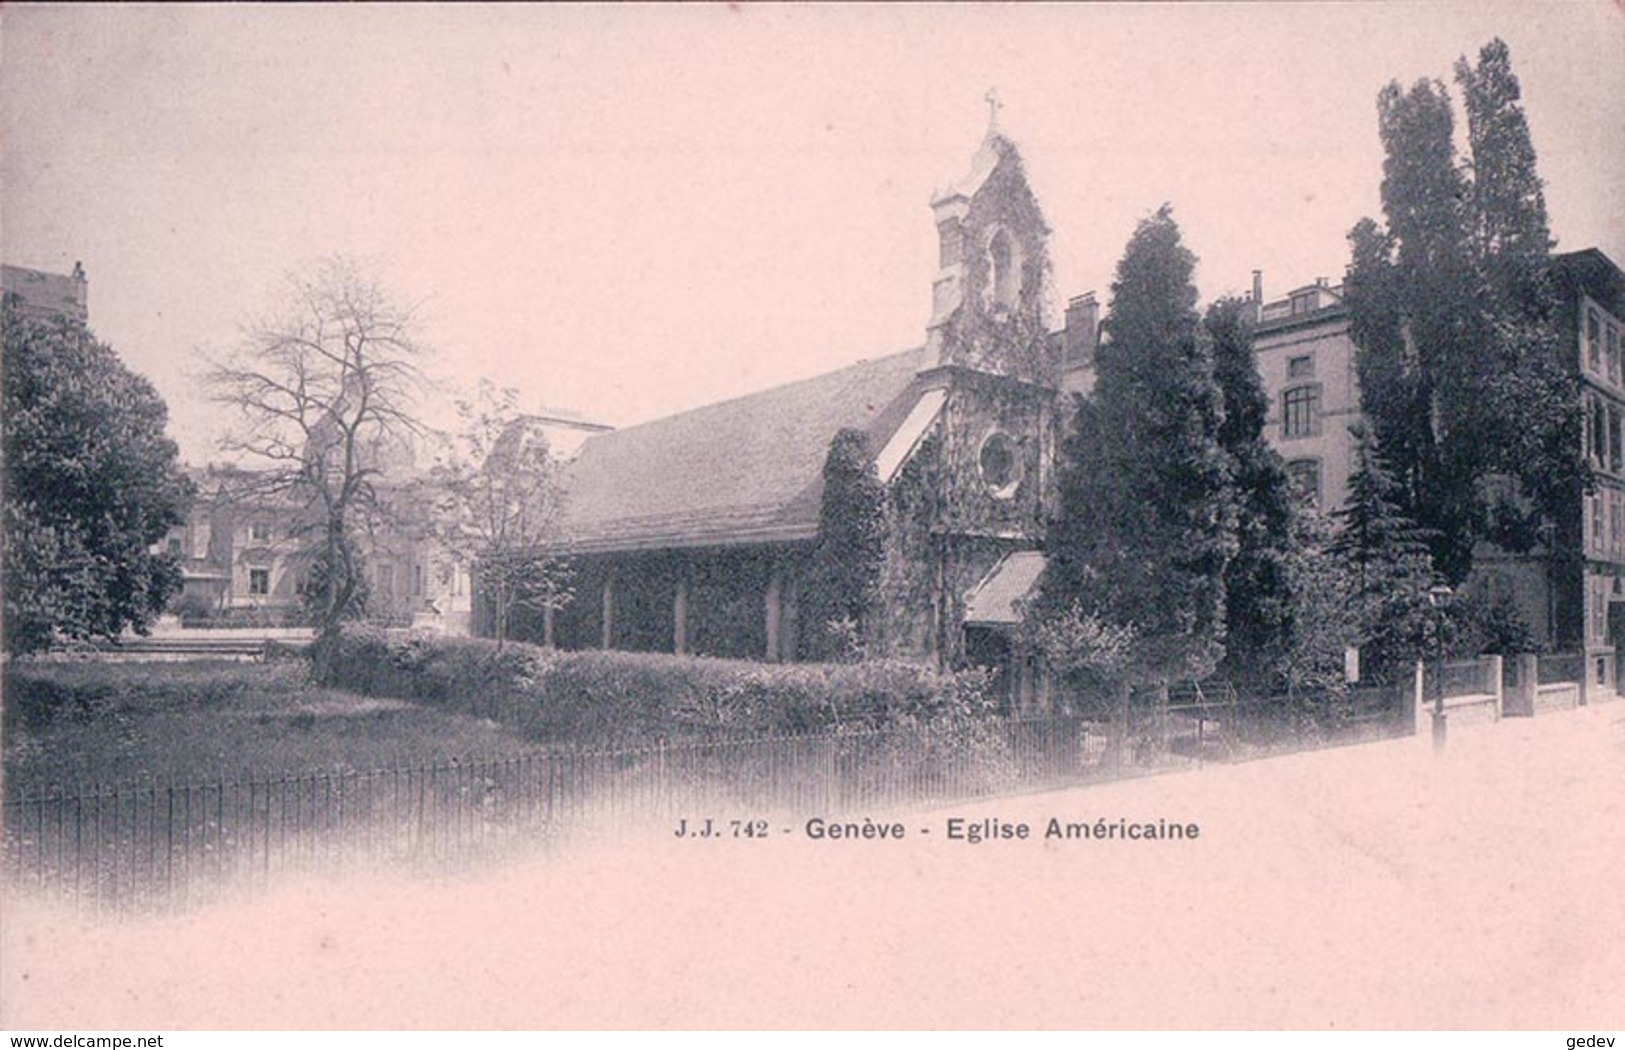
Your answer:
<point x="1003" y="270"/>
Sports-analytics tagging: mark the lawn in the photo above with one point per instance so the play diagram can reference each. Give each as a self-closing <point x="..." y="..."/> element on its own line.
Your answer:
<point x="77" y="724"/>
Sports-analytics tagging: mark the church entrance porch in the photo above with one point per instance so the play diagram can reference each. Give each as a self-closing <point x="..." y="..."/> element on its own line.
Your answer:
<point x="738" y="603"/>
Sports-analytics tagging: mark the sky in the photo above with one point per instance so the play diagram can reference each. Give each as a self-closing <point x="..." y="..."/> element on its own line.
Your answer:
<point x="626" y="211"/>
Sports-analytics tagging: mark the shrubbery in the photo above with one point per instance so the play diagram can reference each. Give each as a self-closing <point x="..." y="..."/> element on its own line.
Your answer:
<point x="620" y="697"/>
<point x="38" y="692"/>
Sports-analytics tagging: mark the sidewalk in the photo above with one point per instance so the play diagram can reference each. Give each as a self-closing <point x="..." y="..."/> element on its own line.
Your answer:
<point x="1373" y="886"/>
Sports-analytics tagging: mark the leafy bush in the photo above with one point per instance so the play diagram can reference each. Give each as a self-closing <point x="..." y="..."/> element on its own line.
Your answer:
<point x="38" y="693"/>
<point x="620" y="697"/>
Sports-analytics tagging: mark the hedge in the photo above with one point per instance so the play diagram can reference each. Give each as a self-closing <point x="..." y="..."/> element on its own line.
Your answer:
<point x="606" y="696"/>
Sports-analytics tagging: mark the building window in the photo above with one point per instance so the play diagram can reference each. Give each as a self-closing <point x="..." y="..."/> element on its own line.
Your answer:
<point x="418" y="576"/>
<point x="175" y="546"/>
<point x="1597" y="540"/>
<point x="1300" y="367"/>
<point x="1000" y="464"/>
<point x="951" y="242"/>
<point x="259" y="581"/>
<point x="1300" y="411"/>
<point x="260" y="532"/>
<point x="1599" y="433"/>
<point x="1614" y="439"/>
<point x="1599" y="611"/>
<point x="1612" y="345"/>
<point x="1593" y="341"/>
<point x="1304" y="475"/>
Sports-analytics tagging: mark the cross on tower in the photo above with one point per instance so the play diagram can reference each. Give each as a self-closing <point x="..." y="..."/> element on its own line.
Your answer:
<point x="993" y="107"/>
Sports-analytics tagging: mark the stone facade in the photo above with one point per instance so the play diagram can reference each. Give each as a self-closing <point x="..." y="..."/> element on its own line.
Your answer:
<point x="696" y="533"/>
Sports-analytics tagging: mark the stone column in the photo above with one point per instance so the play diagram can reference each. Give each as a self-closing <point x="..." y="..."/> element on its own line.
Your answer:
<point x="679" y="618"/>
<point x="1520" y="702"/>
<point x="790" y="619"/>
<point x="774" y="601"/>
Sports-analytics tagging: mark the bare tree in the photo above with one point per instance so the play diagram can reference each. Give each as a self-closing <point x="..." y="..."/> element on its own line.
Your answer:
<point x="499" y="507"/>
<point x="323" y="396"/>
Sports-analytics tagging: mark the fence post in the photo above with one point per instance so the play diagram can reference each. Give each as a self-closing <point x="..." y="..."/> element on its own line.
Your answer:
<point x="1521" y="702"/>
<point x="1418" y="697"/>
<point x="1497" y="681"/>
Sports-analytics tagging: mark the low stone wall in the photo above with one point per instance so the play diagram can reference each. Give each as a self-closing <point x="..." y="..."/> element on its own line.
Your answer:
<point x="1473" y="710"/>
<point x="1558" y="696"/>
<point x="174" y="631"/>
<point x="1466" y="707"/>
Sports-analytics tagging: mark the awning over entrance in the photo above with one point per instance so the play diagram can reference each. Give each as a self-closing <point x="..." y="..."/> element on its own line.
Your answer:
<point x="993" y="602"/>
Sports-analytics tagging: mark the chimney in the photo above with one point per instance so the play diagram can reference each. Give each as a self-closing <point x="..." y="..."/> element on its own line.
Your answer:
<point x="1258" y="296"/>
<point x="1082" y="328"/>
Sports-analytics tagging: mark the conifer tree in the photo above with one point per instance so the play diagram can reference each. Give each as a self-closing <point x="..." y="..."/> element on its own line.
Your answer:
<point x="1259" y="599"/>
<point x="851" y="547"/>
<point x="1386" y="555"/>
<point x="1146" y="524"/>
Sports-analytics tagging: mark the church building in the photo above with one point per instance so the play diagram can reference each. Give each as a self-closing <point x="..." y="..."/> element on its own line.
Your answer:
<point x="694" y="533"/>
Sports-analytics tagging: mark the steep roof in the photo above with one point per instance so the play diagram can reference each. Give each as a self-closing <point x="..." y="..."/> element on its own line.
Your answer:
<point x="1592" y="271"/>
<point x="982" y="164"/>
<point x="749" y="470"/>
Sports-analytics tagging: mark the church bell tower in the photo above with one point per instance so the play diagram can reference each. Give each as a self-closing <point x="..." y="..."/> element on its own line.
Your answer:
<point x="987" y="302"/>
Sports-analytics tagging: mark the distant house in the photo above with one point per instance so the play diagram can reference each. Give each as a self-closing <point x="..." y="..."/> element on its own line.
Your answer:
<point x="43" y="296"/>
<point x="246" y="555"/>
<point x="694" y="533"/>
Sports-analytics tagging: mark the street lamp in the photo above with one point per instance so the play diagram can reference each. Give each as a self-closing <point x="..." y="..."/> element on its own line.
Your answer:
<point x="1438" y="595"/>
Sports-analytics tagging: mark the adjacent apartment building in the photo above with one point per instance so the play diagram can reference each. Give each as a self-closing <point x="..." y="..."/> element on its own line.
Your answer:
<point x="1571" y="588"/>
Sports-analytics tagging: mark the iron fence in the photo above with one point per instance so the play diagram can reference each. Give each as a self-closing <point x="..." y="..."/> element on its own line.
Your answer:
<point x="137" y="846"/>
<point x="1561" y="667"/>
<point x="1466" y="677"/>
<point x="140" y="846"/>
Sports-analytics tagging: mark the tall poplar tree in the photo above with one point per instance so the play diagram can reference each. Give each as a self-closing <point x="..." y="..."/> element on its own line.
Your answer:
<point x="1458" y="363"/>
<point x="1146" y="523"/>
<point x="1411" y="293"/>
<point x="1529" y="399"/>
<point x="1509" y="226"/>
